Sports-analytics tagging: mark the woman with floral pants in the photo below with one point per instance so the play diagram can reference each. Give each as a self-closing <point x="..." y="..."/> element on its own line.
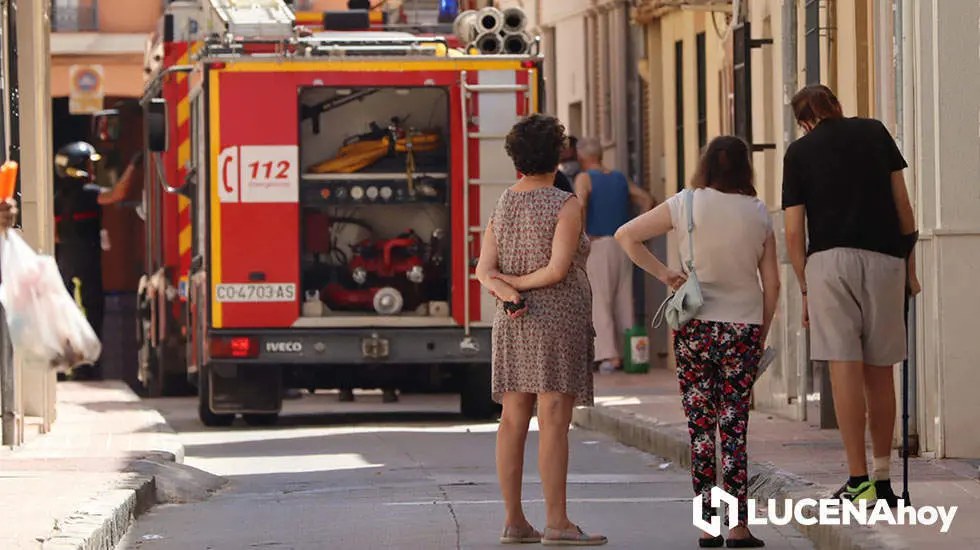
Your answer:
<point x="718" y="352"/>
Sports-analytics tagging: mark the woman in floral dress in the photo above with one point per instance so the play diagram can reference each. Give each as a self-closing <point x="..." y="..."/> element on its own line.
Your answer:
<point x="718" y="352"/>
<point x="533" y="260"/>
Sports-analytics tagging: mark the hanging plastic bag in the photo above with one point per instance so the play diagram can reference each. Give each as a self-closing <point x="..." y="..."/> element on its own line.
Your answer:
<point x="46" y="325"/>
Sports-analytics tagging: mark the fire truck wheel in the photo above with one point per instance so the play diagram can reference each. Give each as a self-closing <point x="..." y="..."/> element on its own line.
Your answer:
<point x="476" y="401"/>
<point x="260" y="419"/>
<point x="204" y="413"/>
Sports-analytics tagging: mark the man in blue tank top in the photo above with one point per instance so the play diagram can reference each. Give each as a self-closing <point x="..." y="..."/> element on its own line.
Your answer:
<point x="608" y="198"/>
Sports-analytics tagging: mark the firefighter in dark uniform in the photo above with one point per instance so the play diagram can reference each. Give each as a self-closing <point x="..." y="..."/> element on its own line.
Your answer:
<point x="81" y="189"/>
<point x="78" y="235"/>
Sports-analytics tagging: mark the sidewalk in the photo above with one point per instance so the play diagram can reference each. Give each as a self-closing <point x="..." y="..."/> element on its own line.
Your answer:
<point x="788" y="459"/>
<point x="70" y="488"/>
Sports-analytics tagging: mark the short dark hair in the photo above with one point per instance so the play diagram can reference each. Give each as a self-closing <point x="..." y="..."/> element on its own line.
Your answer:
<point x="816" y="102"/>
<point x="535" y="144"/>
<point x="726" y="166"/>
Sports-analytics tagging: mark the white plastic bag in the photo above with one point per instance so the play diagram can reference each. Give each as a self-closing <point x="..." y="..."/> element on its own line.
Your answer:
<point x="46" y="325"/>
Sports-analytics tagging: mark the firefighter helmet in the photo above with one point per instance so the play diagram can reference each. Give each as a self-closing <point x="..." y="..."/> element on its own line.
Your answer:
<point x="76" y="161"/>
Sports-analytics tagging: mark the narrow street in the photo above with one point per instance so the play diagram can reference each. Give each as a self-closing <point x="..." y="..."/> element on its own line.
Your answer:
<point x="412" y="475"/>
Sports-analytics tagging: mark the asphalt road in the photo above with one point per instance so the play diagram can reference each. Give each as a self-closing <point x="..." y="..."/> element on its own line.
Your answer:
<point x="411" y="475"/>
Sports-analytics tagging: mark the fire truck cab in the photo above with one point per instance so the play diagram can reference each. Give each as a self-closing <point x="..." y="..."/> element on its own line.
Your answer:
<point x="315" y="201"/>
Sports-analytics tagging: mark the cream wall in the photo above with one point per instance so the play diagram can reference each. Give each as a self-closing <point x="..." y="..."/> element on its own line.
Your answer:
<point x="946" y="167"/>
<point x="940" y="137"/>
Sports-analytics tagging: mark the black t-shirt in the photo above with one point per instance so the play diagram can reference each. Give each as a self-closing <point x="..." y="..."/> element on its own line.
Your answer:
<point x="841" y="173"/>
<point x="562" y="182"/>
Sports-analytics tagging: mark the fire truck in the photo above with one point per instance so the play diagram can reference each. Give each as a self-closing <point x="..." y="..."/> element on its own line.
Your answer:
<point x="316" y="189"/>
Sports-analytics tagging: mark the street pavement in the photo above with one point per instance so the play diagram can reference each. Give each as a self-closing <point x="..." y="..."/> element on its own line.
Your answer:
<point x="411" y="475"/>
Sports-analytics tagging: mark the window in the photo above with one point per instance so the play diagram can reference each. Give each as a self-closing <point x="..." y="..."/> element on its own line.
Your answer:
<point x="679" y="111"/>
<point x="702" y="92"/>
<point x="74" y="15"/>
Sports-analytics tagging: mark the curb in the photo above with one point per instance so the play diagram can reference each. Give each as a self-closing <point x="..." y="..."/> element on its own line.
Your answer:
<point x="103" y="521"/>
<point x="766" y="481"/>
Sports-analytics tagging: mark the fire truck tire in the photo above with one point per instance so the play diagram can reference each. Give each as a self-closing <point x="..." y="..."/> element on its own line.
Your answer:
<point x="475" y="399"/>
<point x="204" y="413"/>
<point x="261" y="419"/>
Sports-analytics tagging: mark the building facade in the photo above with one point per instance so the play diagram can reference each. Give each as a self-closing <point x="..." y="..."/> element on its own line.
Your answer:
<point x="905" y="62"/>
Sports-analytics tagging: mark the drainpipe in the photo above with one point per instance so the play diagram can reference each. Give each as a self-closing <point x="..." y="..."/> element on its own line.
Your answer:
<point x="8" y="395"/>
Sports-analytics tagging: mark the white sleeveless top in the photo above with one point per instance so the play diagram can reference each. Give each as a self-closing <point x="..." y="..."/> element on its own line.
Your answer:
<point x="730" y="233"/>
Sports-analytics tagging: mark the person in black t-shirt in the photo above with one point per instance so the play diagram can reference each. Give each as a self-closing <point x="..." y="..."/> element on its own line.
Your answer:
<point x="843" y="181"/>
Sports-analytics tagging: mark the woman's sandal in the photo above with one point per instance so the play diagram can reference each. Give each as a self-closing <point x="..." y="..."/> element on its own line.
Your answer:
<point x="571" y="537"/>
<point x="520" y="534"/>
<point x="713" y="542"/>
<point x="749" y="542"/>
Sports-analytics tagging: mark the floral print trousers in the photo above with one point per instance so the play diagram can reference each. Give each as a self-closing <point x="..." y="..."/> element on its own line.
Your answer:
<point x="716" y="367"/>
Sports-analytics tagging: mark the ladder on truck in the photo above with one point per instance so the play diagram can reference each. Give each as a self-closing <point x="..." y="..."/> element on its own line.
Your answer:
<point x="255" y="18"/>
<point x="469" y="93"/>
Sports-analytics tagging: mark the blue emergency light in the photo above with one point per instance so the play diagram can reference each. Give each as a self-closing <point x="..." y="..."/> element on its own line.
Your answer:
<point x="448" y="10"/>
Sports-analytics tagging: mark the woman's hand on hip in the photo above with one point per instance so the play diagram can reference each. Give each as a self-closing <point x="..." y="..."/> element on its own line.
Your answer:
<point x="673" y="279"/>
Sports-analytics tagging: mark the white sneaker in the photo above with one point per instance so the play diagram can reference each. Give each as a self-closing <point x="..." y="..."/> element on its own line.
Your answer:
<point x="606" y="367"/>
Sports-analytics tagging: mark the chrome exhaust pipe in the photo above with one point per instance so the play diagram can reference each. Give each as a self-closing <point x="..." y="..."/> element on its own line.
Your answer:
<point x="490" y="43"/>
<point x="515" y="20"/>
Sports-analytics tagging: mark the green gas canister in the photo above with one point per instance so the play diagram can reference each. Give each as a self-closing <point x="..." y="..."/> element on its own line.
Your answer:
<point x="637" y="346"/>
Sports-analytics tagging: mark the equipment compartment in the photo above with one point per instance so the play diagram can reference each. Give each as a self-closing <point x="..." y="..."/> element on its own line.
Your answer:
<point x="374" y="201"/>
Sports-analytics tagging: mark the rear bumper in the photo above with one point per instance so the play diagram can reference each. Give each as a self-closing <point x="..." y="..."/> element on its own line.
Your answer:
<point x="365" y="346"/>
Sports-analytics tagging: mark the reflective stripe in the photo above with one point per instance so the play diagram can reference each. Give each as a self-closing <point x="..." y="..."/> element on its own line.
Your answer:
<point x="79" y="217"/>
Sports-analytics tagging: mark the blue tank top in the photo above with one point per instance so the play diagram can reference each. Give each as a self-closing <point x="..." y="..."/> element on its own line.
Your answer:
<point x="609" y="203"/>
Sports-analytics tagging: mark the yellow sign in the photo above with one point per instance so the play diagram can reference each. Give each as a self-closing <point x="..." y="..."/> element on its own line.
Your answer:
<point x="87" y="90"/>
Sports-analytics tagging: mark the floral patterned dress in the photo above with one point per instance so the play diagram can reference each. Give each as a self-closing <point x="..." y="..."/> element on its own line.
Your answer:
<point x="550" y="348"/>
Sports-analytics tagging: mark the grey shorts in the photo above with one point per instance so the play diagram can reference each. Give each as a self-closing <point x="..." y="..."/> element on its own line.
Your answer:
<point x="856" y="305"/>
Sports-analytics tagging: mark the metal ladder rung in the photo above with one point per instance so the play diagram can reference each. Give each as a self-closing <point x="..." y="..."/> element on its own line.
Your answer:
<point x="481" y="135"/>
<point x="496" y="88"/>
<point x="476" y="230"/>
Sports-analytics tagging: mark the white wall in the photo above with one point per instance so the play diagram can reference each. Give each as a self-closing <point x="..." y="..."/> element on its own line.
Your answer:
<point x="947" y="164"/>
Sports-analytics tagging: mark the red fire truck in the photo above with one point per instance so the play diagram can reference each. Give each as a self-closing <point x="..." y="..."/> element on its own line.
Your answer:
<point x="315" y="201"/>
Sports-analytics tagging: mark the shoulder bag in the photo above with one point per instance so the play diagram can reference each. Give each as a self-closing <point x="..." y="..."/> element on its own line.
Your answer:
<point x="684" y="303"/>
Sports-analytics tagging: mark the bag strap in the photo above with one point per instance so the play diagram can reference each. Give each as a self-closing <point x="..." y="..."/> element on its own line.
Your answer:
<point x="689" y="203"/>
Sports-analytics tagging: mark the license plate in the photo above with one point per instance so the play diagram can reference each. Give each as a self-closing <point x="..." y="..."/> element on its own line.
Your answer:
<point x="256" y="292"/>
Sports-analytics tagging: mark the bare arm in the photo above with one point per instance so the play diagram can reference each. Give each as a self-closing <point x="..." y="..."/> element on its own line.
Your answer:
<point x="563" y="248"/>
<point x="583" y="187"/>
<point x="487" y="269"/>
<point x="796" y="249"/>
<point x="635" y="233"/>
<point x="796" y="241"/>
<point x="906" y="222"/>
<point x="120" y="190"/>
<point x="906" y="216"/>
<point x="641" y="198"/>
<point x="769" y="273"/>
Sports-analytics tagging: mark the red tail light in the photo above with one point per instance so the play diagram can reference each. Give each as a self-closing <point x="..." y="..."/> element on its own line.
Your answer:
<point x="239" y="347"/>
<point x="219" y="65"/>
